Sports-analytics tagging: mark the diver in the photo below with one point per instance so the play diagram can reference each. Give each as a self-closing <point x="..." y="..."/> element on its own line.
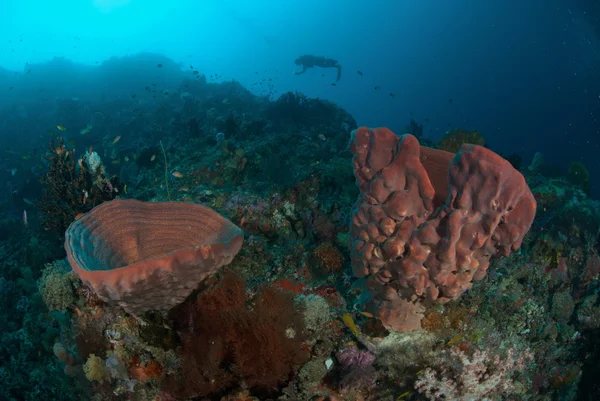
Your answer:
<point x="307" y="61"/>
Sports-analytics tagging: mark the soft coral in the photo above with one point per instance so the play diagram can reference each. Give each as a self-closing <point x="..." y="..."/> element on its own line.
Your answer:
<point x="229" y="339"/>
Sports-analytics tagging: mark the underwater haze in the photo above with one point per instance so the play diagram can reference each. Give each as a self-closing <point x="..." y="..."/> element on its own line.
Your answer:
<point x="520" y="73"/>
<point x="299" y="200"/>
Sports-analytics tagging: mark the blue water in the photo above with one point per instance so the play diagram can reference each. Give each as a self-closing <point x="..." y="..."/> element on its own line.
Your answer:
<point x="521" y="73"/>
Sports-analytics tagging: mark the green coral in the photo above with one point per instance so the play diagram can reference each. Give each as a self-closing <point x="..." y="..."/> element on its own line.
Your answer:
<point x="562" y="306"/>
<point x="56" y="286"/>
<point x="313" y="372"/>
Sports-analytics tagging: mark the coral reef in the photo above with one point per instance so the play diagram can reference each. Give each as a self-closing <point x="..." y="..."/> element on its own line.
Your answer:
<point x="287" y="320"/>
<point x="477" y="377"/>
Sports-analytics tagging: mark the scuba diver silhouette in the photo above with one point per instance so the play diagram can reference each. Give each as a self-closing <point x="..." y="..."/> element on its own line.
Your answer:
<point x="308" y="61"/>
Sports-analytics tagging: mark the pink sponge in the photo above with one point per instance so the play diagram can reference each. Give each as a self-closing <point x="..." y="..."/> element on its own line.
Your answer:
<point x="411" y="251"/>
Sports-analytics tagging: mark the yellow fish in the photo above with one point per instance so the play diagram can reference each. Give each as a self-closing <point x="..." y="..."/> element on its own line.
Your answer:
<point x="403" y="395"/>
<point x="61" y="127"/>
<point x="349" y="322"/>
<point x="125" y="189"/>
<point x="117" y="138"/>
<point x="455" y="340"/>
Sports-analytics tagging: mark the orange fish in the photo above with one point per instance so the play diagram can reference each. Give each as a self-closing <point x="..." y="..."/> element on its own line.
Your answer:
<point x="177" y="174"/>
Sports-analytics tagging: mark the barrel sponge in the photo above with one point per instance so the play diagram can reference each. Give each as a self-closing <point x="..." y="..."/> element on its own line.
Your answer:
<point x="412" y="248"/>
<point x="149" y="255"/>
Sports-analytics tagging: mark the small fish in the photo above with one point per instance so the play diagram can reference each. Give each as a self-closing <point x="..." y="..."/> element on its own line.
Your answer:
<point x="184" y="189"/>
<point x="359" y="72"/>
<point x="177" y="174"/>
<point x="61" y="127"/>
<point x="153" y="158"/>
<point x="377" y="87"/>
<point x="116" y="161"/>
<point x="26" y="156"/>
<point x="117" y="138"/>
<point x="25" y="222"/>
<point x="367" y="314"/>
<point x="333" y="84"/>
<point x="455" y="340"/>
<point x="392" y="95"/>
<point x="159" y="65"/>
<point x="28" y="202"/>
<point x="403" y="395"/>
<point x="126" y="158"/>
<point x="13" y="171"/>
<point x="349" y="322"/>
<point x="226" y="101"/>
<point x="125" y="189"/>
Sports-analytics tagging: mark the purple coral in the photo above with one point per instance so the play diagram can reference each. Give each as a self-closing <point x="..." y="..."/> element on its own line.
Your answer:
<point x="357" y="369"/>
<point x="352" y="358"/>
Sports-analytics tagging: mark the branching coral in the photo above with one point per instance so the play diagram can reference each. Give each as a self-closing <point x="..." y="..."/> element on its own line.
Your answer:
<point x="482" y="376"/>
